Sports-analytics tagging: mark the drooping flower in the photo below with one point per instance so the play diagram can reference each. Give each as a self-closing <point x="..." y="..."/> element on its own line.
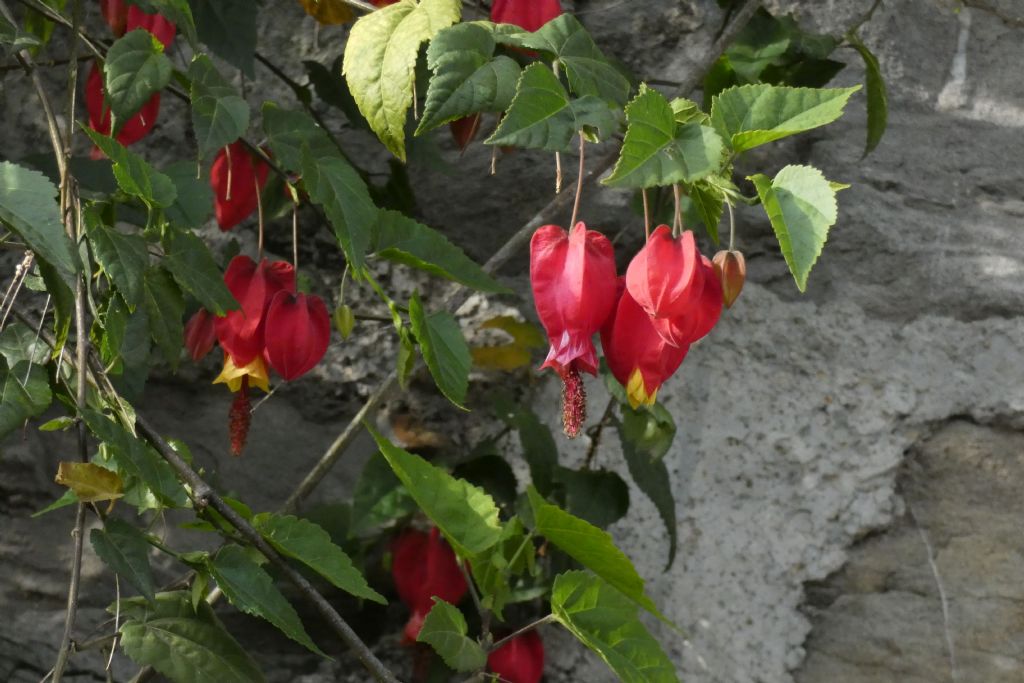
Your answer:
<point x="423" y="567"/>
<point x="115" y="13"/>
<point x="237" y="177"/>
<point x="663" y="277"/>
<point x="200" y="334"/>
<point x="701" y="317"/>
<point x="253" y="285"/>
<point x="298" y="331"/>
<point x="573" y="280"/>
<point x="156" y="24"/>
<point x="133" y="129"/>
<point x="520" y="660"/>
<point x="731" y="269"/>
<point x="638" y="357"/>
<point x="528" y="14"/>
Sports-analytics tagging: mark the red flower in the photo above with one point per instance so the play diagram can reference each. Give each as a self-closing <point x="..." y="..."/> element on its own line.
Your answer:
<point x="703" y="314"/>
<point x="424" y="567"/>
<point x="528" y="14"/>
<point x="156" y="24"/>
<point x="200" y="334"/>
<point x="240" y="332"/>
<point x="464" y="130"/>
<point x="573" y="279"/>
<point x="520" y="660"/>
<point x="297" y="333"/>
<point x="663" y="277"/>
<point x="115" y="13"/>
<point x="637" y="355"/>
<point x="237" y="177"/>
<point x="132" y="130"/>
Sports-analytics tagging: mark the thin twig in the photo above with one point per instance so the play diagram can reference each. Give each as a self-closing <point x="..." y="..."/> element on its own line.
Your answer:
<point x="579" y="183"/>
<point x="596" y="432"/>
<point x="647" y="215"/>
<point x="529" y="627"/>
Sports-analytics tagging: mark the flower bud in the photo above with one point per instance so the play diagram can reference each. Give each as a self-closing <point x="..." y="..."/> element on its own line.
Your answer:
<point x="344" y="320"/>
<point x="200" y="334"/>
<point x="731" y="269"/>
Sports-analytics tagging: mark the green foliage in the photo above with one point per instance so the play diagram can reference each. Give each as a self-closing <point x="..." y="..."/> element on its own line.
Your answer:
<point x="14" y="40"/>
<point x="26" y="394"/>
<point x="878" y="100"/>
<point x="177" y="11"/>
<point x="538" y="445"/>
<point x="335" y="185"/>
<point x="599" y="497"/>
<point x="379" y="498"/>
<point x="444" y="629"/>
<point x="193" y="203"/>
<point x="125" y="550"/>
<point x="444" y="349"/>
<point x="228" y="28"/>
<point x="606" y="621"/>
<point x="380" y="61"/>
<point x="219" y="115"/>
<point x="123" y="257"/>
<point x="801" y="205"/>
<point x="135" y="68"/>
<point x="134" y="175"/>
<point x="164" y="308"/>
<point x="190" y="263"/>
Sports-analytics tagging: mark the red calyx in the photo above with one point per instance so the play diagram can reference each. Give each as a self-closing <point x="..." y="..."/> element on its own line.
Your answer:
<point x="237" y="177"/>
<point x="115" y="13"/>
<point x="528" y="14"/>
<point x="200" y="334"/>
<point x="132" y="130"/>
<point x="464" y="130"/>
<point x="298" y="330"/>
<point x="702" y="315"/>
<point x="154" y="23"/>
<point x="663" y="277"/>
<point x="241" y="332"/>
<point x="520" y="660"/>
<point x="423" y="567"/>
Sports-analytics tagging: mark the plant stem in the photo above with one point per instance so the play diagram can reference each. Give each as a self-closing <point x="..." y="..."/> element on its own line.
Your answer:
<point x="647" y="215"/>
<point x="579" y="183"/>
<point x="529" y="627"/>
<point x="598" y="430"/>
<point x="732" y="227"/>
<point x="677" y="220"/>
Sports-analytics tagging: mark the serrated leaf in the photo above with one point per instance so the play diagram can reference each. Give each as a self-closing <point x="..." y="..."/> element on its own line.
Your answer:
<point x="801" y="205"/>
<point x="122" y="257"/>
<point x="542" y="116"/>
<point x="28" y="206"/>
<point x="379" y="498"/>
<point x="186" y="645"/>
<point x="190" y="262"/>
<point x="878" y="99"/>
<point x="288" y="131"/>
<point x="134" y="175"/>
<point x="336" y="186"/>
<point x="26" y="394"/>
<point x="228" y="27"/>
<point x="193" y="202"/>
<point x="607" y="622"/>
<point x="753" y="115"/>
<point x="135" y="68"/>
<point x="467" y="77"/>
<point x="444" y="349"/>
<point x="466" y="516"/>
<point x="164" y="307"/>
<point x="250" y="589"/>
<point x="588" y="70"/>
<point x="686" y="111"/>
<point x="219" y="115"/>
<point x="659" y="151"/>
<point x="125" y="550"/>
<point x="380" y="61"/>
<point x="444" y="629"/>
<point x="401" y="239"/>
<point x="311" y="545"/>
<point x="91" y="483"/>
<point x="591" y="547"/>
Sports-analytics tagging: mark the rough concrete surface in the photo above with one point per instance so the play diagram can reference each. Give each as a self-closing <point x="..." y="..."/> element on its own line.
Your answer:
<point x="810" y="426"/>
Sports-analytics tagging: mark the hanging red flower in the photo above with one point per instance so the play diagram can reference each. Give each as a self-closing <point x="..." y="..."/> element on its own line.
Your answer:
<point x="237" y="177"/>
<point x="200" y="334"/>
<point x="520" y="660"/>
<point x="253" y="285"/>
<point x="663" y="276"/>
<point x="424" y="567"/>
<point x="573" y="280"/>
<point x="132" y="130"/>
<point x="297" y="333"/>
<point x="637" y="355"/>
<point x="702" y="315"/>
<point x="528" y="14"/>
<point x="115" y="13"/>
<point x="156" y="24"/>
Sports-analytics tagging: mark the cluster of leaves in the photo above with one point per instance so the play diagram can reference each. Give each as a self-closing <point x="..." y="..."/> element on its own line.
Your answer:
<point x="143" y="265"/>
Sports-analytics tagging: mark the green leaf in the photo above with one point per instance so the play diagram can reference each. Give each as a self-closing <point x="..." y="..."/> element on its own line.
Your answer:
<point x="250" y="589"/>
<point x="336" y="186"/>
<point x="493" y="474"/>
<point x="136" y="67"/>
<point x="28" y="206"/>
<point x="467" y="77"/>
<point x="596" y="496"/>
<point x="125" y="550"/>
<point x="122" y="257"/>
<point x="379" y="498"/>
<point x="591" y="547"/>
<point x="406" y="360"/>
<point x="133" y="174"/>
<point x="588" y="70"/>
<point x="400" y="239"/>
<point x="18" y="342"/>
<point x="194" y="201"/>
<point x="708" y="201"/>
<point x="658" y="151"/>
<point x="444" y="629"/>
<point x="466" y="515"/>
<point x="380" y="61"/>
<point x="878" y="99"/>
<point x="752" y="115"/>
<point x="26" y="394"/>
<point x="801" y="206"/>
<point x="219" y="115"/>
<point x="311" y="545"/>
<point x="289" y="131"/>
<point x="228" y="27"/>
<point x="68" y="498"/>
<point x="495" y="569"/>
<point x="444" y="349"/>
<point x="63" y="300"/>
<point x="164" y="307"/>
<point x="607" y="622"/>
<point x="650" y="429"/>
<point x="186" y="645"/>
<point x="15" y="40"/>
<point x="542" y="116"/>
<point x="190" y="262"/>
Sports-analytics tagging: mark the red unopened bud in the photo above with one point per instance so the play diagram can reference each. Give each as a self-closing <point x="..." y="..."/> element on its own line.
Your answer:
<point x="239" y="419"/>
<point x="520" y="660"/>
<point x="424" y="566"/>
<point x="133" y="129"/>
<point x="200" y="334"/>
<point x="237" y="177"/>
<point x="731" y="269"/>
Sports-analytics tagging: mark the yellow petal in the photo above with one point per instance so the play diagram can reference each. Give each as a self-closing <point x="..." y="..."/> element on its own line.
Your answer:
<point x="232" y="375"/>
<point x="636" y="392"/>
